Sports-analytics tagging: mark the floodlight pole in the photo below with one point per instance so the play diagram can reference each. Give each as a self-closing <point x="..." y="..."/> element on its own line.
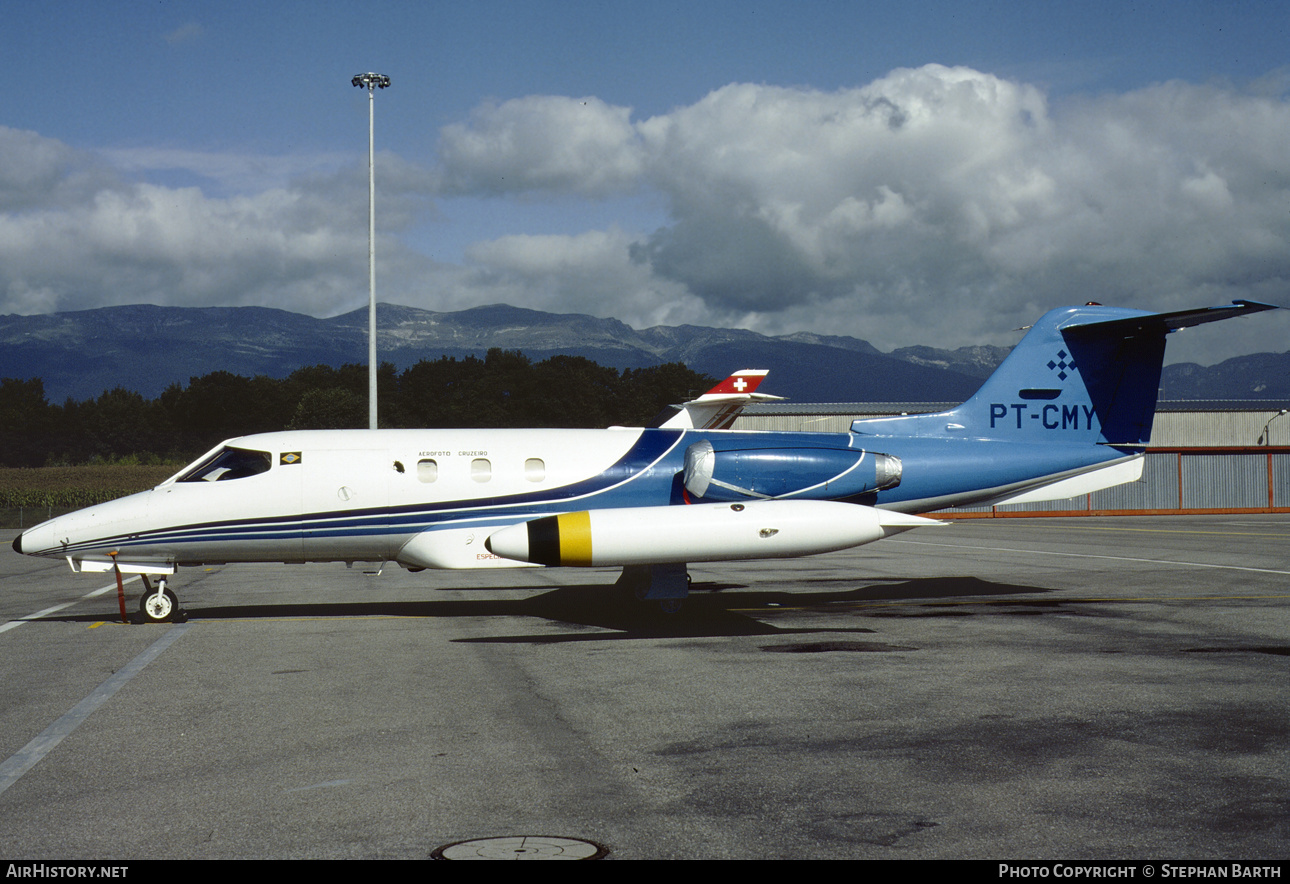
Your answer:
<point x="372" y="82"/>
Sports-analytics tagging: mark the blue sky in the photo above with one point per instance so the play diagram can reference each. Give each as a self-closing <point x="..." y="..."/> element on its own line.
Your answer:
<point x="917" y="172"/>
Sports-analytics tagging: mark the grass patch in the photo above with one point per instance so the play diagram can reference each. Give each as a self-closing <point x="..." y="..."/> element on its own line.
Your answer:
<point x="32" y="494"/>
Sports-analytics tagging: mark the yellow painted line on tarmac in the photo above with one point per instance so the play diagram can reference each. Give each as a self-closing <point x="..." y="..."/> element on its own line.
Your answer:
<point x="1022" y="600"/>
<point x="304" y="618"/>
<point x="1046" y="552"/>
<point x="14" y="624"/>
<point x="1285" y="533"/>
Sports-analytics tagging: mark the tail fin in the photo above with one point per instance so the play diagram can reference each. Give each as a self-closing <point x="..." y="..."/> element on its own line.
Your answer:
<point x="718" y="408"/>
<point x="1081" y="374"/>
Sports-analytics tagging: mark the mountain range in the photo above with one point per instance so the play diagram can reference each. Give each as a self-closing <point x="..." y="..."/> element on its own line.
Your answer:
<point x="147" y="348"/>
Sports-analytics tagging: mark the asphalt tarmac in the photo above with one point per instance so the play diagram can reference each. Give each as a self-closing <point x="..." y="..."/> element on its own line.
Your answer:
<point x="1012" y="688"/>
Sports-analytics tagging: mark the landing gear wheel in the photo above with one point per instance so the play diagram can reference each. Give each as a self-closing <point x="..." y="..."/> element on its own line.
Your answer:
<point x="158" y="605"/>
<point x="670" y="606"/>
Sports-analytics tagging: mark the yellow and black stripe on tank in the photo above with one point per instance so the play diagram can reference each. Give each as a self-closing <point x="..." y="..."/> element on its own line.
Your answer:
<point x="561" y="540"/>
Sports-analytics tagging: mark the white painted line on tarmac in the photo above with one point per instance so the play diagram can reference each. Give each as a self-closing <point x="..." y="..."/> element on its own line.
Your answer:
<point x="1044" y="552"/>
<point x="30" y="755"/>
<point x="14" y="624"/>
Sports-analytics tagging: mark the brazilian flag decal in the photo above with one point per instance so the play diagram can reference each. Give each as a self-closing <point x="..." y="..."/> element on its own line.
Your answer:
<point x="289" y="457"/>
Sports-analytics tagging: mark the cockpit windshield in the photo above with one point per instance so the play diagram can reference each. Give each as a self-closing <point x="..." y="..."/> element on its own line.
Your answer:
<point x="228" y="463"/>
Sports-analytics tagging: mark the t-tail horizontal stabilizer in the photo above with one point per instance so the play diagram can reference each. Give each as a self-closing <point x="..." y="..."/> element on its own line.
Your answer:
<point x="1081" y="374"/>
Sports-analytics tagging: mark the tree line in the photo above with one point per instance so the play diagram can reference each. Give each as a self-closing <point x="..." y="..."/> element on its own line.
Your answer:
<point x="504" y="389"/>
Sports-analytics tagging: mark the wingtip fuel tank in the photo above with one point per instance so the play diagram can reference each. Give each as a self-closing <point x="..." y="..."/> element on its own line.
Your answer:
<point x="700" y="533"/>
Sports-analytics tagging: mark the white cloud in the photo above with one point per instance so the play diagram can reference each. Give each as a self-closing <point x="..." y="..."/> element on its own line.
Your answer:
<point x="579" y="274"/>
<point x="42" y="173"/>
<point x="937" y="204"/>
<point x="76" y="234"/>
<point x="542" y="143"/>
<point x="184" y="33"/>
<point x="934" y="205"/>
<point x="226" y="172"/>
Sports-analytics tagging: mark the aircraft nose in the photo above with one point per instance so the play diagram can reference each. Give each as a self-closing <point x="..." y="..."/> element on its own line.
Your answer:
<point x="39" y="540"/>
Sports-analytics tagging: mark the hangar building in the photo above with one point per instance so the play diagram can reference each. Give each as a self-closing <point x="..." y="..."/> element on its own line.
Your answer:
<point x="1203" y="457"/>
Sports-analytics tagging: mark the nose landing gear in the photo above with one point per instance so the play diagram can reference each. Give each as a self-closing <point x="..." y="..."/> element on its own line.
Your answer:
<point x="159" y="604"/>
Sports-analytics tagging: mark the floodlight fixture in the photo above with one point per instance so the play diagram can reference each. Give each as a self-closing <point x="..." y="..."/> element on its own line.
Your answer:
<point x="372" y="82"/>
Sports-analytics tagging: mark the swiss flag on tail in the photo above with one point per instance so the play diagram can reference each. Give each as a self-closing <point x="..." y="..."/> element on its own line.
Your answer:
<point x="744" y="381"/>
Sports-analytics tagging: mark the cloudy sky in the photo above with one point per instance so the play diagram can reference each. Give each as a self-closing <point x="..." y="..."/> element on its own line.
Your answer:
<point x="912" y="172"/>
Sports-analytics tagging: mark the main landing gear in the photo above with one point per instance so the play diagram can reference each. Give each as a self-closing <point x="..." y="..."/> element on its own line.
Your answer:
<point x="159" y="604"/>
<point x="666" y="584"/>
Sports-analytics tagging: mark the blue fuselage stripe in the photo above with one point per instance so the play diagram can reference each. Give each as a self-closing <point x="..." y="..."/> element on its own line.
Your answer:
<point x="644" y="476"/>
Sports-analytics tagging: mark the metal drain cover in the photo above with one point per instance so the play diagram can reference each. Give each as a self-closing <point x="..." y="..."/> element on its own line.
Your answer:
<point x="521" y="847"/>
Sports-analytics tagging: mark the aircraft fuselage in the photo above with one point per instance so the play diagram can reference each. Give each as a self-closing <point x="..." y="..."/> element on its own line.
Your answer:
<point x="362" y="495"/>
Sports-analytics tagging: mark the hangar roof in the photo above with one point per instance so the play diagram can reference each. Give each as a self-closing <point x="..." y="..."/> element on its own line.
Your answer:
<point x="1171" y="405"/>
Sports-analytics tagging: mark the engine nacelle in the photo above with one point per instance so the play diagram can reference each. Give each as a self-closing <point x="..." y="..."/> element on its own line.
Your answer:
<point x="713" y="532"/>
<point x="732" y="470"/>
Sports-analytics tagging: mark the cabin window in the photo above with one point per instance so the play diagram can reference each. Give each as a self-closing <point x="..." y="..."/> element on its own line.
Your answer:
<point x="427" y="470"/>
<point x="534" y="469"/>
<point x="229" y="463"/>
<point x="481" y="469"/>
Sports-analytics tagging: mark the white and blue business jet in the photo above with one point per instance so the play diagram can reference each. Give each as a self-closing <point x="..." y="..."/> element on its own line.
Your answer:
<point x="1068" y="412"/>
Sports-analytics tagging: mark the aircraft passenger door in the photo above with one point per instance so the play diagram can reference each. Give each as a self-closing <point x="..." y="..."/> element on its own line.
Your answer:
<point x="345" y="496"/>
